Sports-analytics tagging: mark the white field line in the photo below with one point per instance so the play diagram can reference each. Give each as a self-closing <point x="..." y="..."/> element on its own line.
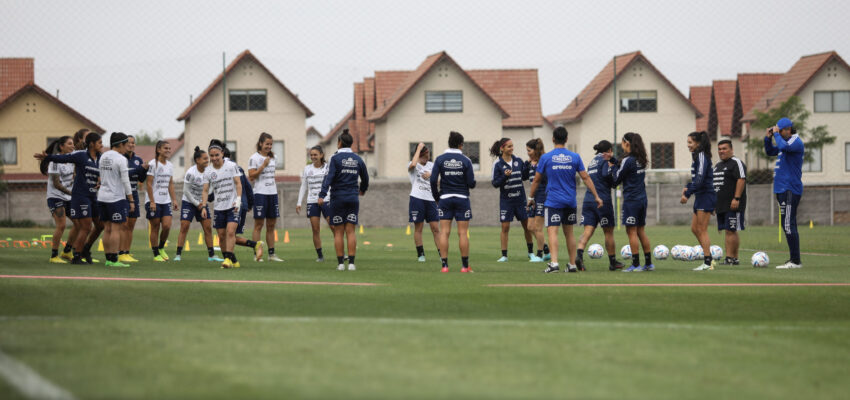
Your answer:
<point x="28" y="382"/>
<point x="468" y="322"/>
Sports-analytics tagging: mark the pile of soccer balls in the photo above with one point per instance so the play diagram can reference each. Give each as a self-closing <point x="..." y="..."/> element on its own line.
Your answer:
<point x="678" y="252"/>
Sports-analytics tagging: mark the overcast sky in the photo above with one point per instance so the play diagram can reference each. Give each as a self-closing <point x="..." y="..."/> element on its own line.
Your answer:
<point x="134" y="65"/>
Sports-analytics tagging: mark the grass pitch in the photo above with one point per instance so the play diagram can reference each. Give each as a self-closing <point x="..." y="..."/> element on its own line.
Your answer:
<point x="422" y="334"/>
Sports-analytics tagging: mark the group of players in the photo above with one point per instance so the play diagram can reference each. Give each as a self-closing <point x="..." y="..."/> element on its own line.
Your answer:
<point x="99" y="192"/>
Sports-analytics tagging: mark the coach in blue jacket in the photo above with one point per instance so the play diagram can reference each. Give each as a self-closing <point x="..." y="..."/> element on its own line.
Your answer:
<point x="787" y="181"/>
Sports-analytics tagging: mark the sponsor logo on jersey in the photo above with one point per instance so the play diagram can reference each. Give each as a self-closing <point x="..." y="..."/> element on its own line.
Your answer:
<point x="452" y="164"/>
<point x="562" y="158"/>
<point x="349" y="162"/>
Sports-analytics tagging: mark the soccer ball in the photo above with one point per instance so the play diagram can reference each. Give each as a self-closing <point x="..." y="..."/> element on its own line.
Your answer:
<point x="661" y="252"/>
<point x="716" y="252"/>
<point x="626" y="252"/>
<point x="688" y="254"/>
<point x="676" y="252"/>
<point x="595" y="251"/>
<point x="698" y="253"/>
<point x="760" y="260"/>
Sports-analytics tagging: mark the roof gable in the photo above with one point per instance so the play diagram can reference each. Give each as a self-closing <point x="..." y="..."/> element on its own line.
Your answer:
<point x="245" y="55"/>
<point x="31" y="86"/>
<point x="517" y="91"/>
<point x="724" y="99"/>
<point x="15" y="73"/>
<point x="753" y="86"/>
<point x="700" y="97"/>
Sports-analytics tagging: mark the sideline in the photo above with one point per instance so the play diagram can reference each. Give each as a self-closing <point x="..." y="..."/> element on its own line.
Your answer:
<point x="101" y="278"/>
<point x="664" y="284"/>
<point x="28" y="382"/>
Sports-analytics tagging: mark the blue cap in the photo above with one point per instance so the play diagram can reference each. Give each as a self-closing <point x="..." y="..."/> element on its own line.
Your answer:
<point x="784" y="123"/>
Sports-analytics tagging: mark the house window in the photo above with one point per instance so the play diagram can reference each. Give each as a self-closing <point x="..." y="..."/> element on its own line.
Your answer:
<point x="278" y="148"/>
<point x="847" y="157"/>
<point x="9" y="151"/>
<point x="444" y="101"/>
<point x="182" y="161"/>
<point x="815" y="164"/>
<point x="248" y="100"/>
<point x="662" y="155"/>
<point x="412" y="147"/>
<point x="638" y="101"/>
<point x="472" y="150"/>
<point x="231" y="145"/>
<point x="835" y="101"/>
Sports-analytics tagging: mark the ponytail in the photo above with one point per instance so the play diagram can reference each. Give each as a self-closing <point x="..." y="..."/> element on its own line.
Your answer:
<point x="603" y="146"/>
<point x="79" y="139"/>
<point x="198" y="154"/>
<point x="638" y="150"/>
<point x="52" y="148"/>
<point x="496" y="148"/>
<point x="536" y="146"/>
<point x="703" y="142"/>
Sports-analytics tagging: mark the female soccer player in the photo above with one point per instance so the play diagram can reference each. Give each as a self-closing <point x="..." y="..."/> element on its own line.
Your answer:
<point x="193" y="189"/>
<point x="160" y="199"/>
<point x="509" y="172"/>
<point x="534" y="149"/>
<point x="599" y="172"/>
<point x="631" y="171"/>
<point x="80" y="139"/>
<point x="59" y="184"/>
<point x="261" y="168"/>
<point x="422" y="207"/>
<point x="115" y="196"/>
<point x="451" y="180"/>
<point x="223" y="178"/>
<point x="311" y="184"/>
<point x="138" y="172"/>
<point x="702" y="187"/>
<point x="246" y="204"/>
<point x="84" y="210"/>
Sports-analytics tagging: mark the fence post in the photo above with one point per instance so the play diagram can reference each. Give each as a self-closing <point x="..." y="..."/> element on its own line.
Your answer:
<point x="772" y="214"/>
<point x="832" y="206"/>
<point x="657" y="203"/>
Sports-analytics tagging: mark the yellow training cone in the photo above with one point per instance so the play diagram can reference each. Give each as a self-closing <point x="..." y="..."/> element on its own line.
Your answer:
<point x="149" y="235"/>
<point x="215" y="240"/>
<point x="100" y="245"/>
<point x="200" y="238"/>
<point x="361" y="229"/>
<point x="811" y="224"/>
<point x="286" y="237"/>
<point x="408" y="230"/>
<point x="467" y="234"/>
<point x="186" y="247"/>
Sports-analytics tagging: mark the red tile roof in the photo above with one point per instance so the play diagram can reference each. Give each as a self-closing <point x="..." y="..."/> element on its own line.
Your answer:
<point x="753" y="86"/>
<point x="387" y="82"/>
<point x="724" y="103"/>
<point x="793" y="81"/>
<point x="31" y="86"/>
<point x="15" y="73"/>
<point x="146" y="152"/>
<point x="700" y="97"/>
<point x="588" y="96"/>
<point x="245" y="55"/>
<point x="516" y="90"/>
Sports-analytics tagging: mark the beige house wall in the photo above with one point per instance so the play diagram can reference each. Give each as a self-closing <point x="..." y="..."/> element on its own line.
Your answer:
<point x="45" y="119"/>
<point x="480" y="121"/>
<point x="284" y="119"/>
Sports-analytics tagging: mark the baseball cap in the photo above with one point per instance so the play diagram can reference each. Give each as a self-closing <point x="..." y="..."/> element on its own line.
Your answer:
<point x="784" y="123"/>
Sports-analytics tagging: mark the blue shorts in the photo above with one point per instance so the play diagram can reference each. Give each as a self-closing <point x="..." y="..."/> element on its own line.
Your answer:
<point x="344" y="211"/>
<point x="422" y="210"/>
<point x="84" y="207"/>
<point x="537" y="210"/>
<point x="224" y="217"/>
<point x="266" y="206"/>
<point x="59" y="204"/>
<point x="159" y="211"/>
<point x="114" y="212"/>
<point x="243" y="216"/>
<point x="136" y="212"/>
<point x="559" y="216"/>
<point x="705" y="202"/>
<point x="508" y="211"/>
<point x="592" y="216"/>
<point x="634" y="213"/>
<point x="730" y="221"/>
<point x="456" y="208"/>
<point x="316" y="210"/>
<point x="189" y="212"/>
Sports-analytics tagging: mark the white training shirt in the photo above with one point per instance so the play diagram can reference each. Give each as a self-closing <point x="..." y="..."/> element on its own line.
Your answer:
<point x="264" y="184"/>
<point x="66" y="178"/>
<point x="421" y="187"/>
<point x="311" y="183"/>
<point x="193" y="185"/>
<point x="161" y="177"/>
<point x="114" y="178"/>
<point x="222" y="186"/>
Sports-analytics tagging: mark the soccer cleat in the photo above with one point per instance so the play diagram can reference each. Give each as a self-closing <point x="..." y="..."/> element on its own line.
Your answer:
<point x="163" y="255"/>
<point x="214" y="258"/>
<point x="67" y="256"/>
<point x="550" y="268"/>
<point x="116" y="264"/>
<point x="78" y="261"/>
<point x="465" y="270"/>
<point x="533" y="258"/>
<point x="340" y="267"/>
<point x="572" y="268"/>
<point x="177" y="257"/>
<point x="57" y="260"/>
<point x="789" y="265"/>
<point x="320" y="259"/>
<point x="421" y="259"/>
<point x="703" y="267"/>
<point x="236" y="265"/>
<point x="615" y="266"/>
<point x="126" y="258"/>
<point x="580" y="264"/>
<point x="502" y="259"/>
<point x="275" y="258"/>
<point x="445" y="270"/>
<point x="649" y="267"/>
<point x="547" y="257"/>
<point x="351" y="267"/>
<point x="633" y="268"/>
<point x="730" y="261"/>
<point x="226" y="264"/>
<point x="159" y="259"/>
<point x="258" y="252"/>
<point x="713" y="265"/>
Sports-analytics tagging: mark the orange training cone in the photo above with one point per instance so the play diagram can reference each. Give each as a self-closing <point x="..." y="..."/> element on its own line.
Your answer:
<point x="286" y="237"/>
<point x="275" y="236"/>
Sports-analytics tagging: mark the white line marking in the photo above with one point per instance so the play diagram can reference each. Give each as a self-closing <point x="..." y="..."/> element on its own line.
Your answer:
<point x="28" y="382"/>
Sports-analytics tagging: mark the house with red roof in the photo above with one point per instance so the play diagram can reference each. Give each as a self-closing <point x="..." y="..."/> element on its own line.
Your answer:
<point x="256" y="101"/>
<point x="395" y="110"/>
<point x="646" y="102"/>
<point x="30" y="118"/>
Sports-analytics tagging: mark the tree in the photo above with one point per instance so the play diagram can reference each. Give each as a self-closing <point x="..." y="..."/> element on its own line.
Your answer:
<point x="793" y="109"/>
<point x="145" y="138"/>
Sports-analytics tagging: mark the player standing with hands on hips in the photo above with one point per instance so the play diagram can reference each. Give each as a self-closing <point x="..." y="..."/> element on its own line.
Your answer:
<point x="787" y="181"/>
<point x="730" y="182"/>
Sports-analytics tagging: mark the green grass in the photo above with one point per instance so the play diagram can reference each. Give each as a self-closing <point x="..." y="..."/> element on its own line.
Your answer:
<point x="423" y="334"/>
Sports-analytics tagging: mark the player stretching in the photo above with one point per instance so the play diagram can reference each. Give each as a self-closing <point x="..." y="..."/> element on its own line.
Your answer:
<point x="509" y="172"/>
<point x="451" y="179"/>
<point x="422" y="207"/>
<point x="560" y="167"/>
<point x="787" y="182"/>
<point x="343" y="170"/>
<point x="631" y="171"/>
<point x="603" y="181"/>
<point x="701" y="186"/>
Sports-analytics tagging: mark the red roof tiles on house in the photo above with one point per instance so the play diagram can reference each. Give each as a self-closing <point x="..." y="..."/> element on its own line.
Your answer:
<point x="31" y="86"/>
<point x="15" y="73"/>
<point x="245" y="55"/>
<point x="724" y="101"/>
<point x="517" y="91"/>
<point x="793" y="81"/>
<point x="700" y="97"/>
<point x="146" y="152"/>
<point x="386" y="84"/>
<point x="753" y="86"/>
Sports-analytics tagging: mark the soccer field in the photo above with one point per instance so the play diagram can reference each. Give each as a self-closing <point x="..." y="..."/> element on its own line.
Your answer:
<point x="418" y="333"/>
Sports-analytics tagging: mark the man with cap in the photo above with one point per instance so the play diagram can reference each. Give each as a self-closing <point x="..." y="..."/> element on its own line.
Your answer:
<point x="783" y="142"/>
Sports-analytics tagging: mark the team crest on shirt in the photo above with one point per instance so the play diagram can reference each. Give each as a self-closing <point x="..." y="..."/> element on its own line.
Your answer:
<point x="213" y="175"/>
<point x="562" y="159"/>
<point x="136" y="161"/>
<point x="631" y="220"/>
<point x="516" y="164"/>
<point x="452" y="164"/>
